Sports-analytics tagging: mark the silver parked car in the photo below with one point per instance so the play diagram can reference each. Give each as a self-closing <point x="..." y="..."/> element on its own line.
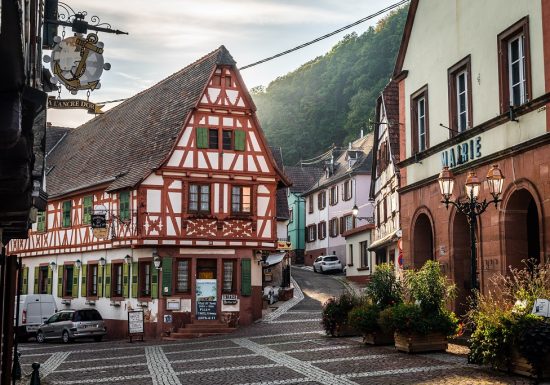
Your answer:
<point x="70" y="324"/>
<point x="326" y="263"/>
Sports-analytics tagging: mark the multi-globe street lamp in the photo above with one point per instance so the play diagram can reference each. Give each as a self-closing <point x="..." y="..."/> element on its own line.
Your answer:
<point x="471" y="207"/>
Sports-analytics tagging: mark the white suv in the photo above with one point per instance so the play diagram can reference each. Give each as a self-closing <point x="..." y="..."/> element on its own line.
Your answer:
<point x="326" y="263"/>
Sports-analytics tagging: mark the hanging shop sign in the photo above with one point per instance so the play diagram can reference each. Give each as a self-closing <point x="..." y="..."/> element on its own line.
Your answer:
<point x="284" y="245"/>
<point x="65" y="104"/>
<point x="77" y="62"/>
<point x="207" y="295"/>
<point x="98" y="221"/>
<point x="462" y="153"/>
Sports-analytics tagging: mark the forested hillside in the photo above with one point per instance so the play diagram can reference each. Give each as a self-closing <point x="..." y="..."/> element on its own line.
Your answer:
<point x="331" y="98"/>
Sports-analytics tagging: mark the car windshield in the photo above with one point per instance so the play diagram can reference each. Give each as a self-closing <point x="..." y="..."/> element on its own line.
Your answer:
<point x="331" y="259"/>
<point x="87" y="315"/>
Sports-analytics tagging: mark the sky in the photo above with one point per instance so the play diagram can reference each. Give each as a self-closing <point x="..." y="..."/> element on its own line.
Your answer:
<point x="167" y="35"/>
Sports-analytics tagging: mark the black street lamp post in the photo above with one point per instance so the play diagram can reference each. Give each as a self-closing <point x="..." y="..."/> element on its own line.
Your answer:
<point x="471" y="207"/>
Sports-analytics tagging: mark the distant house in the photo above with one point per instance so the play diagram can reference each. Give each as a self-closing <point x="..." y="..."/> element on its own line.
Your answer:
<point x="383" y="190"/>
<point x="187" y="186"/>
<point x="302" y="179"/>
<point x="329" y="202"/>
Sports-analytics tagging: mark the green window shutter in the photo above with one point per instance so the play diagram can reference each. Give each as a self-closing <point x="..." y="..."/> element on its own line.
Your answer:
<point x="167" y="276"/>
<point x="50" y="281"/>
<point x="60" y="280"/>
<point x="124" y="202"/>
<point x="84" y="281"/>
<point x="108" y="280"/>
<point x="125" y="279"/>
<point x="25" y="285"/>
<point x="134" y="279"/>
<point x="75" y="281"/>
<point x="100" y="274"/>
<point x="67" y="214"/>
<point x="246" y="277"/>
<point x="36" y="273"/>
<point x="154" y="282"/>
<point x="41" y="221"/>
<point x="202" y="137"/>
<point x="87" y="214"/>
<point x="240" y="142"/>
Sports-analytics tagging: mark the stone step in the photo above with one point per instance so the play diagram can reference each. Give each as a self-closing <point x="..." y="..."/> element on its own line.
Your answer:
<point x="188" y="335"/>
<point x="206" y="330"/>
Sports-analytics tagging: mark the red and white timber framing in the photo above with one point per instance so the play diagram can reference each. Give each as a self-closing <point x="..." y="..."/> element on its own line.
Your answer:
<point x="159" y="203"/>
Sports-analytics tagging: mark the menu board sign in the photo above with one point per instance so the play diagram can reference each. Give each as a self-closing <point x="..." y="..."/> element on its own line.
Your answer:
<point x="207" y="299"/>
<point x="135" y="323"/>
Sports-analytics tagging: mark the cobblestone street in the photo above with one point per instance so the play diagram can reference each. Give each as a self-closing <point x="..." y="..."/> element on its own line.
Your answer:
<point x="287" y="348"/>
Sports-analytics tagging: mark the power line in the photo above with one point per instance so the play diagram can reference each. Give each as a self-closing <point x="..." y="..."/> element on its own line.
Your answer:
<point x="327" y="35"/>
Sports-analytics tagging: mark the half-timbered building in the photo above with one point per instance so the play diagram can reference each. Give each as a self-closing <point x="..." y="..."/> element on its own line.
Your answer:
<point x="188" y="186"/>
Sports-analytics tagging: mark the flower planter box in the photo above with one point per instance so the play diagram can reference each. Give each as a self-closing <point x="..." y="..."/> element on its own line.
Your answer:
<point x="520" y="365"/>
<point x="378" y="338"/>
<point x="416" y="343"/>
<point x="286" y="294"/>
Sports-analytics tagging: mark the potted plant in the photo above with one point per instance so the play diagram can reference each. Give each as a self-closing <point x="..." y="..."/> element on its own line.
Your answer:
<point x="423" y="323"/>
<point x="505" y="333"/>
<point x="383" y="290"/>
<point x="335" y="315"/>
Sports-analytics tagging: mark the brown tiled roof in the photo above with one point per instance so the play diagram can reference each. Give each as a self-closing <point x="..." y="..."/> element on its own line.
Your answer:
<point x="302" y="178"/>
<point x="390" y="98"/>
<point x="123" y="145"/>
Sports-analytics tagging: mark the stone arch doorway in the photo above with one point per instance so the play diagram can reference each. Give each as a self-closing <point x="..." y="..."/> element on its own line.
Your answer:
<point x="423" y="243"/>
<point x="522" y="227"/>
<point x="461" y="262"/>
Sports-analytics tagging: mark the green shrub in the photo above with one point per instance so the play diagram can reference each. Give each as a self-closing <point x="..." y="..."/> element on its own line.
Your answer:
<point x="429" y="287"/>
<point x="410" y="318"/>
<point x="384" y="288"/>
<point x="335" y="311"/>
<point x="364" y="318"/>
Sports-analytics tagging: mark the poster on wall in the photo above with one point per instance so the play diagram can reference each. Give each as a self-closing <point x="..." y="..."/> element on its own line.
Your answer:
<point x="206" y="299"/>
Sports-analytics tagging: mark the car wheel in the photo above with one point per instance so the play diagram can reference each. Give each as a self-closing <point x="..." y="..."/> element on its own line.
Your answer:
<point x="98" y="338"/>
<point x="65" y="337"/>
<point x="321" y="269"/>
<point x="314" y="269"/>
<point x="40" y="337"/>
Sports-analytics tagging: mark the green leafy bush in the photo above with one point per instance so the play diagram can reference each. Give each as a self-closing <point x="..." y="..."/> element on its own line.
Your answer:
<point x="384" y="288"/>
<point x="429" y="287"/>
<point x="410" y="318"/>
<point x="335" y="312"/>
<point x="364" y="318"/>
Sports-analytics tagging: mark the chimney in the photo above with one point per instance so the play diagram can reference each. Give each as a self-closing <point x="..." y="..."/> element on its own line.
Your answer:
<point x="361" y="133"/>
<point x="349" y="146"/>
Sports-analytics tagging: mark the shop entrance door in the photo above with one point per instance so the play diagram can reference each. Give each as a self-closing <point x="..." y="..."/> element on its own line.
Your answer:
<point x="206" y="289"/>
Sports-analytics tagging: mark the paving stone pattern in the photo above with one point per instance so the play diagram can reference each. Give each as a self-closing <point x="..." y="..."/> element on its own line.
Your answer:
<point x="267" y="353"/>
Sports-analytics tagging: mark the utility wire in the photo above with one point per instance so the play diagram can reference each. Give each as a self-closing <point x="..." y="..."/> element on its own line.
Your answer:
<point x="327" y="35"/>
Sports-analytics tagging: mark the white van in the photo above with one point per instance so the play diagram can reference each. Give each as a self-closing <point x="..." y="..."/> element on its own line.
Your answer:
<point x="34" y="309"/>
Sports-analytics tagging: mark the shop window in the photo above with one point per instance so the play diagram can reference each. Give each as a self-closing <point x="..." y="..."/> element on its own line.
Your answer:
<point x="92" y="280"/>
<point x="206" y="268"/>
<point x="227" y="140"/>
<point x="145" y="278"/>
<point x="322" y="230"/>
<point x="199" y="199"/>
<point x="67" y="205"/>
<point x="364" y="250"/>
<point x="116" y="280"/>
<point x="310" y="204"/>
<point x="333" y="227"/>
<point x="213" y="139"/>
<point x="229" y="281"/>
<point x="41" y="222"/>
<point x="322" y="200"/>
<point x="514" y="65"/>
<point x="67" y="277"/>
<point x="347" y="193"/>
<point x="333" y="198"/>
<point x="182" y="276"/>
<point x="420" y="120"/>
<point x="42" y="280"/>
<point x="241" y="200"/>
<point x="124" y="202"/>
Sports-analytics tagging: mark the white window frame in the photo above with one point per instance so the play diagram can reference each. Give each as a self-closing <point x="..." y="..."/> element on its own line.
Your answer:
<point x="522" y="83"/>
<point x="461" y="94"/>
<point x="421" y="123"/>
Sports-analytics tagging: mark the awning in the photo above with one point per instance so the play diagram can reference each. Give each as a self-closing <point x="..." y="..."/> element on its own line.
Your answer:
<point x="384" y="241"/>
<point x="274" y="259"/>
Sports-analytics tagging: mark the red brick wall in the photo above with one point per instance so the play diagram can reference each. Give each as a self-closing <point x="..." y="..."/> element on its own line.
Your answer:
<point x="528" y="170"/>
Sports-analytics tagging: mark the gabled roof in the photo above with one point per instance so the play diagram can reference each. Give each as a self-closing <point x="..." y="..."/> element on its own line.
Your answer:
<point x="122" y="146"/>
<point x="362" y="165"/>
<point x="405" y="39"/>
<point x="302" y="178"/>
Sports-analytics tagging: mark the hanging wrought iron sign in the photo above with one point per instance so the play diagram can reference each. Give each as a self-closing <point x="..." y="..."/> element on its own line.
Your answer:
<point x="93" y="108"/>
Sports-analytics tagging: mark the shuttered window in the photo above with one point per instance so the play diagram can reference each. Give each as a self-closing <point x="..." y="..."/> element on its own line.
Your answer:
<point x="87" y="210"/>
<point x="246" y="277"/>
<point x="124" y="202"/>
<point x="107" y="278"/>
<point x="213" y="141"/>
<point x="202" y="137"/>
<point x="25" y="281"/>
<point x="167" y="275"/>
<point x="84" y="281"/>
<point x="227" y="140"/>
<point x="117" y="280"/>
<point x="240" y="140"/>
<point x="93" y="280"/>
<point x="241" y="200"/>
<point x="41" y="222"/>
<point x="67" y="213"/>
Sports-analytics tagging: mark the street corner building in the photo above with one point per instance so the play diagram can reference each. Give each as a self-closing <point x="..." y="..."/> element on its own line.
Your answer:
<point x="187" y="185"/>
<point x="473" y="95"/>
